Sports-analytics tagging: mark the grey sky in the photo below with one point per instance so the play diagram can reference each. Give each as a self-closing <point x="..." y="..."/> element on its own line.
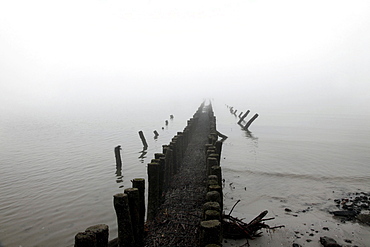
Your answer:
<point x="276" y="52"/>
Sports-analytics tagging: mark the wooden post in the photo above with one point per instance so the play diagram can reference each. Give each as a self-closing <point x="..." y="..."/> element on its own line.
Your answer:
<point x="133" y="202"/>
<point x="210" y="163"/>
<point x="125" y="232"/>
<point x="210" y="232"/>
<point x="155" y="134"/>
<point x="174" y="156"/>
<point x="242" y="118"/>
<point x="219" y="150"/>
<point x="101" y="233"/>
<point x="211" y="206"/>
<point x="213" y="196"/>
<point x="139" y="183"/>
<point x="162" y="163"/>
<point x="212" y="215"/>
<point x="142" y="137"/>
<point x="153" y="190"/>
<point x="117" y="153"/>
<point x="216" y="170"/>
<point x="85" y="239"/>
<point x="250" y="121"/>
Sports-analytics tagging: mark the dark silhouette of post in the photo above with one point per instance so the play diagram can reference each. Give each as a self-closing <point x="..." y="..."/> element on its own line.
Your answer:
<point x="117" y="153"/>
<point x="125" y="231"/>
<point x="139" y="183"/>
<point x="142" y="137"/>
<point x="250" y="121"/>
<point x="155" y="134"/>
<point x="244" y="115"/>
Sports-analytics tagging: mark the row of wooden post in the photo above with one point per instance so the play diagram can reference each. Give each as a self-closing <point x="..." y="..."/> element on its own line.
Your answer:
<point x="211" y="225"/>
<point x="164" y="165"/>
<point x="130" y="205"/>
<point x="242" y="117"/>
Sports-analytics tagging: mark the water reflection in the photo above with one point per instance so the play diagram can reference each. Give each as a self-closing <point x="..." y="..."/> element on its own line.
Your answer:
<point x="249" y="135"/>
<point x="142" y="155"/>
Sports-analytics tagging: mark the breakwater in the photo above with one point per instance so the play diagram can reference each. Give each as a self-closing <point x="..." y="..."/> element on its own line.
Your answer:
<point x="184" y="204"/>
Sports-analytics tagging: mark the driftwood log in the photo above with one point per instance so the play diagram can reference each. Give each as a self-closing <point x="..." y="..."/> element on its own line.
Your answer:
<point x="235" y="228"/>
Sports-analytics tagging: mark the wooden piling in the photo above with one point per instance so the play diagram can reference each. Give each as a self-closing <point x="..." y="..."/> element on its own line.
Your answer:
<point x="250" y="121"/>
<point x="244" y="116"/>
<point x="134" y="205"/>
<point x="153" y="190"/>
<point x="101" y="233"/>
<point x="142" y="137"/>
<point x="117" y="154"/>
<point x="139" y="183"/>
<point x="125" y="232"/>
<point x="162" y="163"/>
<point x="216" y="170"/>
<point x="85" y="239"/>
<point x="212" y="215"/>
<point x="155" y="134"/>
<point x="218" y="145"/>
<point x="210" y="232"/>
<point x="210" y="163"/>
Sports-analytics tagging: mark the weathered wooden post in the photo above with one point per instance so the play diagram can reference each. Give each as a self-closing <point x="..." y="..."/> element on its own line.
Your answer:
<point x="160" y="157"/>
<point x="142" y="137"/>
<point x="153" y="190"/>
<point x="250" y="121"/>
<point x="216" y="170"/>
<point x="125" y="232"/>
<point x="155" y="134"/>
<point x="139" y="183"/>
<point x="101" y="233"/>
<point x="117" y="153"/>
<point x="218" y="145"/>
<point x="210" y="163"/>
<point x="173" y="147"/>
<point x="133" y="202"/>
<point x="85" y="239"/>
<point x="242" y="118"/>
<point x="210" y="232"/>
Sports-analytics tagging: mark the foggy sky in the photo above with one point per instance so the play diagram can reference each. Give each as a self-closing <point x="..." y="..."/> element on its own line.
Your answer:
<point x="272" y="54"/>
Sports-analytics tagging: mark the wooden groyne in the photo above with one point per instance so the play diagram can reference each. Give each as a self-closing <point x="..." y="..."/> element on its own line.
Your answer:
<point x="184" y="194"/>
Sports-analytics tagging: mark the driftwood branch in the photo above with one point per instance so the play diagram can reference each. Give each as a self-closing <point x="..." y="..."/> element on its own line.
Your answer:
<point x="236" y="228"/>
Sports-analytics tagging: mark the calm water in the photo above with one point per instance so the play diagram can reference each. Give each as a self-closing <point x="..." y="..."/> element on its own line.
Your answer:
<point x="58" y="170"/>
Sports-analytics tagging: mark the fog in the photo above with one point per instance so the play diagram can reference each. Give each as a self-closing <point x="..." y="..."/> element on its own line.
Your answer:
<point x="309" y="56"/>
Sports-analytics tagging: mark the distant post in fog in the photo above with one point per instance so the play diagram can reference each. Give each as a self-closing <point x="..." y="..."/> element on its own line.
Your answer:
<point x="142" y="137"/>
<point x="117" y="153"/>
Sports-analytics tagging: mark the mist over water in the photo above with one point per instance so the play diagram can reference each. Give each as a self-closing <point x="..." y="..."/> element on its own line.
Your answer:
<point x="58" y="170"/>
<point x="79" y="78"/>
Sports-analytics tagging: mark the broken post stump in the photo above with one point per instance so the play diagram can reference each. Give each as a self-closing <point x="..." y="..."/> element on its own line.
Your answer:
<point x="125" y="232"/>
<point x="155" y="134"/>
<point x="250" y="121"/>
<point x="117" y="154"/>
<point x="139" y="183"/>
<point x="210" y="232"/>
<point x="85" y="239"/>
<point x="244" y="116"/>
<point x="101" y="233"/>
<point x="133" y="202"/>
<point x="153" y="190"/>
<point x="142" y="137"/>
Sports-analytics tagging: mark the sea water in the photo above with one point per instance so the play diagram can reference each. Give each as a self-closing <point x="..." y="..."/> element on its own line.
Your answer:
<point x="58" y="173"/>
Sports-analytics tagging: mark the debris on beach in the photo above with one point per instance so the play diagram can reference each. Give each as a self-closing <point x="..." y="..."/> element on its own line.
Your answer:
<point x="235" y="228"/>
